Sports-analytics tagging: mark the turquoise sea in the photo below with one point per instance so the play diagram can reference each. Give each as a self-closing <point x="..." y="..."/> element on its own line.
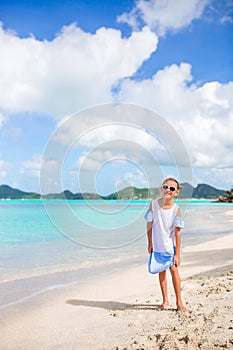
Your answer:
<point x="48" y="244"/>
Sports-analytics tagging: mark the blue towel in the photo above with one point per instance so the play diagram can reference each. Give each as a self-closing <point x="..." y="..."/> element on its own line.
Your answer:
<point x="159" y="262"/>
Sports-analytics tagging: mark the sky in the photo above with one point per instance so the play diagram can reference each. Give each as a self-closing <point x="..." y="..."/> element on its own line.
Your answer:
<point x="64" y="62"/>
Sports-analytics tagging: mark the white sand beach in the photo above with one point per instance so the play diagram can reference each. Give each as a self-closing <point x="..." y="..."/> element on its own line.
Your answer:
<point x="119" y="311"/>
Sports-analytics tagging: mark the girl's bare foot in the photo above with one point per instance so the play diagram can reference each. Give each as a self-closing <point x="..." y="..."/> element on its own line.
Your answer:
<point x="163" y="306"/>
<point x="181" y="308"/>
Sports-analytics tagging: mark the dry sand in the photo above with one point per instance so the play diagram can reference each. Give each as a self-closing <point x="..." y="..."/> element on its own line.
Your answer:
<point x="120" y="310"/>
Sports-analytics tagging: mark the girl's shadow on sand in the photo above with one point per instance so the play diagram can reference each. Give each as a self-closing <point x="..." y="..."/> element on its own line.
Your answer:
<point x="113" y="305"/>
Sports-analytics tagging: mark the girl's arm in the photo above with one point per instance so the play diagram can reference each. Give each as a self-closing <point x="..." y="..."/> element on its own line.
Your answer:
<point x="178" y="242"/>
<point x="177" y="238"/>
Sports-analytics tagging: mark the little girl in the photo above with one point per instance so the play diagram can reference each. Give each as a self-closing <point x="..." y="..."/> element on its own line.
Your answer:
<point x="163" y="231"/>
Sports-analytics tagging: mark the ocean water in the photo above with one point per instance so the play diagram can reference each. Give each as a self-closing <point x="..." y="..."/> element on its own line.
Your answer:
<point x="48" y="244"/>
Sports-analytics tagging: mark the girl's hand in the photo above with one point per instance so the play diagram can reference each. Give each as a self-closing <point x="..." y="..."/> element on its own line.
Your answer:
<point x="177" y="260"/>
<point x="150" y="248"/>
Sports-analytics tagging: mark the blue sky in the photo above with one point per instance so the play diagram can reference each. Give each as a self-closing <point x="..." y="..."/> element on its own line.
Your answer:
<point x="59" y="58"/>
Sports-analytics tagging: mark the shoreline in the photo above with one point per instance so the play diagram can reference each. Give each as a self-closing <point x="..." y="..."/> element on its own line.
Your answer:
<point x="71" y="276"/>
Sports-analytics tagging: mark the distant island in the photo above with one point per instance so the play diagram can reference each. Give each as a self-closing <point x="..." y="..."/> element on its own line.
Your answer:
<point x="202" y="191"/>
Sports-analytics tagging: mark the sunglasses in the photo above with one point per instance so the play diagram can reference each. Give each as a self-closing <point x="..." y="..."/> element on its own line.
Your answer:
<point x="171" y="188"/>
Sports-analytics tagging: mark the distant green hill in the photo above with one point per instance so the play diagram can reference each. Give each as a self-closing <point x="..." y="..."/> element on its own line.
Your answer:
<point x="7" y="192"/>
<point x="134" y="193"/>
<point x="188" y="191"/>
<point x="207" y="191"/>
<point x="71" y="196"/>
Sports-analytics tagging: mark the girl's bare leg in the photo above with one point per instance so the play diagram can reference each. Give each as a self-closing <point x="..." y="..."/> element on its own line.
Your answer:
<point x="177" y="288"/>
<point x="163" y="286"/>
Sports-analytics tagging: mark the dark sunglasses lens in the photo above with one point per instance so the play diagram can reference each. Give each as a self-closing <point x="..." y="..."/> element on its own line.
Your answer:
<point x="165" y="187"/>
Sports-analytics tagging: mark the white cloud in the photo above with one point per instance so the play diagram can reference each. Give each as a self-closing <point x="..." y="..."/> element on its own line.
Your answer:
<point x="77" y="70"/>
<point x="49" y="173"/>
<point x="31" y="167"/>
<point x="106" y="171"/>
<point x="226" y="19"/>
<point x="219" y="178"/>
<point x="4" y="169"/>
<point x="72" y="72"/>
<point x="94" y="160"/>
<point x="136" y="179"/>
<point x="136" y="136"/>
<point x="165" y="15"/>
<point x="167" y="92"/>
<point x="203" y="116"/>
<point x="79" y="132"/>
<point x="3" y="172"/>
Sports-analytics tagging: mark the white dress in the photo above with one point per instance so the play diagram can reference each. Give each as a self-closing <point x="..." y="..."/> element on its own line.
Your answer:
<point x="164" y="222"/>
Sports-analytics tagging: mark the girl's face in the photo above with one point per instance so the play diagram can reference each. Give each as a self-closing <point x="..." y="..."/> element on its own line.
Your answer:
<point x="169" y="189"/>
